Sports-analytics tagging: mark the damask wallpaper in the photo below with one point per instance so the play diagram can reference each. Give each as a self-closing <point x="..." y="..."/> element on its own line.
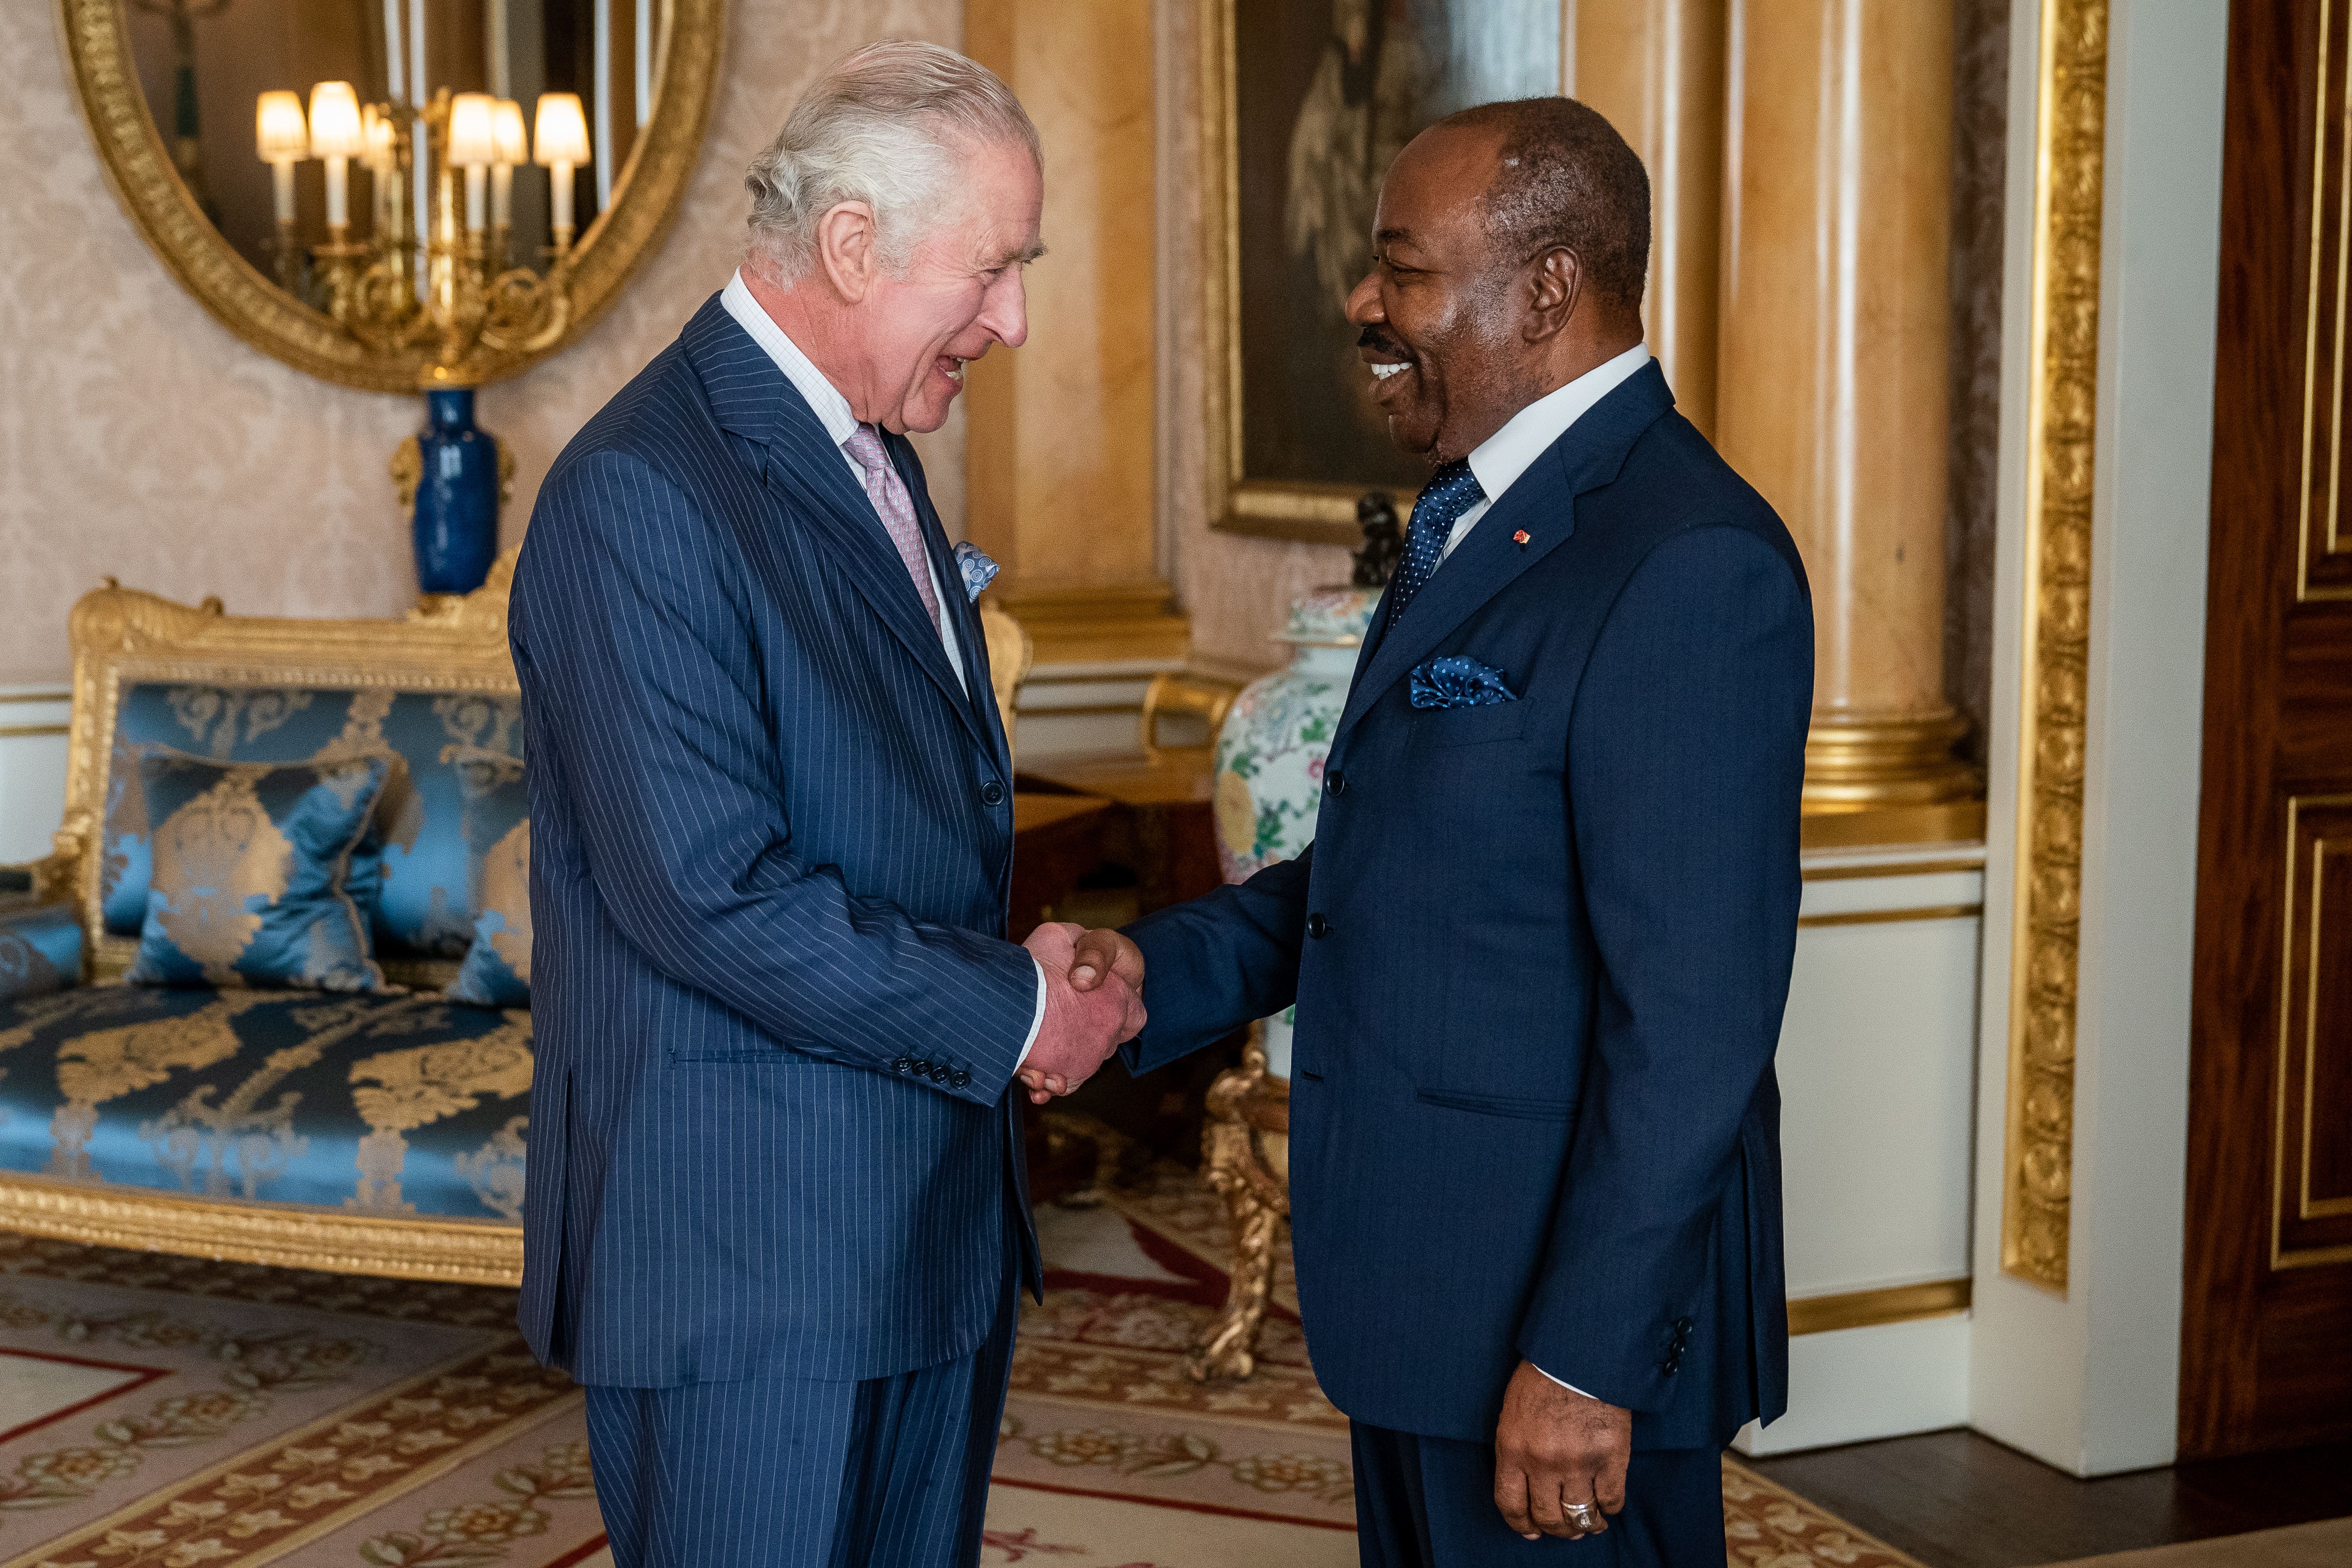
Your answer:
<point x="139" y="440"/>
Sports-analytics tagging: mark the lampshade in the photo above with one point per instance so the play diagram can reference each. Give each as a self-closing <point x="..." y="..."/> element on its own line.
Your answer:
<point x="335" y="122"/>
<point x="378" y="132"/>
<point x="507" y="131"/>
<point x="278" y="134"/>
<point x="472" y="144"/>
<point x="563" y="134"/>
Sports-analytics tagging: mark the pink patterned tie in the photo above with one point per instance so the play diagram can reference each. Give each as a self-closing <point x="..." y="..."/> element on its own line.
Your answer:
<point x="896" y="509"/>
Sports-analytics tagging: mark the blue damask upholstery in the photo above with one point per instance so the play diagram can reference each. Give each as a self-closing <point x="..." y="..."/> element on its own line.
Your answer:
<point x="40" y="950"/>
<point x="249" y="864"/>
<point x="380" y="1105"/>
<point x="420" y="850"/>
<point x="497" y="971"/>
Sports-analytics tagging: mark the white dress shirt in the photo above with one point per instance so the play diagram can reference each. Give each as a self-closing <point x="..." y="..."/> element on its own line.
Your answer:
<point x="833" y="412"/>
<point x="1502" y="457"/>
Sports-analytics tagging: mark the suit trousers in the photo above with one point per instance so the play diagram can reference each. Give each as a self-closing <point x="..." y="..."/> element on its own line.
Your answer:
<point x="1429" y="1502"/>
<point x="786" y="1472"/>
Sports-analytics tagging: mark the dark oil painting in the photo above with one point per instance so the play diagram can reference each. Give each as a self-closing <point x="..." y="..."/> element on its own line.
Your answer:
<point x="1326" y="94"/>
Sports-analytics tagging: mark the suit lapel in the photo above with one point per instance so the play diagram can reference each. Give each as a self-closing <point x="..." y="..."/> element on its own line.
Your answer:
<point x="750" y="395"/>
<point x="1541" y="503"/>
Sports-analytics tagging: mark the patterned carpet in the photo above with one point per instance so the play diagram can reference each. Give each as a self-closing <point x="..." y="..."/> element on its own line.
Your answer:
<point x="166" y="1413"/>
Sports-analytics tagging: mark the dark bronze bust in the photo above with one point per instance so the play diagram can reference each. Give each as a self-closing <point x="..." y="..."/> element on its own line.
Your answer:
<point x="1383" y="547"/>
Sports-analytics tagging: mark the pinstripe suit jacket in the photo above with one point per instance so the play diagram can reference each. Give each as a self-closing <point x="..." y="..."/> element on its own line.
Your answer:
<point x="772" y="839"/>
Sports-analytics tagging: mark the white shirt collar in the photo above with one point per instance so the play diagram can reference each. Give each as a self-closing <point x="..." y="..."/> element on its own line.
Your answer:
<point x="832" y="409"/>
<point x="1503" y="456"/>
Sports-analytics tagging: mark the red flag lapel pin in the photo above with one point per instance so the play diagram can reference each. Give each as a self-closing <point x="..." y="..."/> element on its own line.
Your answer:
<point x="1520" y="539"/>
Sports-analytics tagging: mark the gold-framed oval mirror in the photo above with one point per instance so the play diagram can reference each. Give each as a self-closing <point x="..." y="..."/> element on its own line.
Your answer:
<point x="188" y="101"/>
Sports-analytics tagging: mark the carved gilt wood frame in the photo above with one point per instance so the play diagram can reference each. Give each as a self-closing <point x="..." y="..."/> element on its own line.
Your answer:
<point x="121" y="637"/>
<point x="2070" y="147"/>
<point x="95" y="37"/>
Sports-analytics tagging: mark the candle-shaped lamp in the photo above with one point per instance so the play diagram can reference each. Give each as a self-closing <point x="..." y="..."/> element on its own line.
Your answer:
<point x="336" y="138"/>
<point x="472" y="147"/>
<point x="282" y="141"/>
<point x="513" y="146"/>
<point x="560" y="142"/>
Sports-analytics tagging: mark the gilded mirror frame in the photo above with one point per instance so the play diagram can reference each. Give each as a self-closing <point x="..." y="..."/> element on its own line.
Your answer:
<point x="95" y="39"/>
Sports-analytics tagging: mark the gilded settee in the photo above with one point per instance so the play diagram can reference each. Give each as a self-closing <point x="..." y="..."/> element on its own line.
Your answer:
<point x="379" y="1134"/>
<point x="374" y="1133"/>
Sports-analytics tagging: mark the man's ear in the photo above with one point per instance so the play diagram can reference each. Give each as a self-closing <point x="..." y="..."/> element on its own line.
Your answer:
<point x="1556" y="282"/>
<point x="845" y="246"/>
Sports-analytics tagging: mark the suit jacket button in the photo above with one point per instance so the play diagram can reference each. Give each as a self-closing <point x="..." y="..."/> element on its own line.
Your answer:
<point x="959" y="1078"/>
<point x="991" y="793"/>
<point x="1683" y="1325"/>
<point x="1336" y="781"/>
<point x="1317" y="927"/>
<point x="901" y="1065"/>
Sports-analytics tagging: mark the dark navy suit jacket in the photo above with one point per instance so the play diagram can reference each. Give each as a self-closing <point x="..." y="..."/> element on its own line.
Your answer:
<point x="1540" y="951"/>
<point x="774" y="1014"/>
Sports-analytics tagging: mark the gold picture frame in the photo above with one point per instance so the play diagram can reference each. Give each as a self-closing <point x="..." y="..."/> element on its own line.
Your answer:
<point x="95" y="37"/>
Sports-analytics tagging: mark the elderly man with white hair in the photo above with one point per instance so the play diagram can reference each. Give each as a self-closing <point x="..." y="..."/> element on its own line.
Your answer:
<point x="777" y="1221"/>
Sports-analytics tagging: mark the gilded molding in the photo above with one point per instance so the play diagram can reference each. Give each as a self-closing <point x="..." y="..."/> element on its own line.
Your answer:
<point x="95" y="37"/>
<point x="453" y="1250"/>
<point x="2063" y="352"/>
<point x="1874" y="1309"/>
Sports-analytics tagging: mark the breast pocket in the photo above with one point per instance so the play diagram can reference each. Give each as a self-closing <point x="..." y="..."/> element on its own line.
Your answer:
<point x="1451" y="727"/>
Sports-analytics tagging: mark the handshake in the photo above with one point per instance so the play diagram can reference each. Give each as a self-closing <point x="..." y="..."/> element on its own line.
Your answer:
<point x="1094" y="1003"/>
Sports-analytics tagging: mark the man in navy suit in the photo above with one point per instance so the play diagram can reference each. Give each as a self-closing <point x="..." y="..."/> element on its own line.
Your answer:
<point x="776" y="1220"/>
<point x="1541" y="943"/>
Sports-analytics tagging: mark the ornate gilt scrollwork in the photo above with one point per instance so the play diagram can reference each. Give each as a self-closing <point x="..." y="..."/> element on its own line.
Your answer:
<point x="1246" y="1142"/>
<point x="2054" y="671"/>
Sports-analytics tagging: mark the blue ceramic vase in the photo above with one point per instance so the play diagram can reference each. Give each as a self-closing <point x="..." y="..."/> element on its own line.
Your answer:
<point x="457" y="496"/>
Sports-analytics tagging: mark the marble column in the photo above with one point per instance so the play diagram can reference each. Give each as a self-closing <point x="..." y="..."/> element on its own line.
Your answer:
<point x="1656" y="68"/>
<point x="1832" y="389"/>
<point x="1059" y="467"/>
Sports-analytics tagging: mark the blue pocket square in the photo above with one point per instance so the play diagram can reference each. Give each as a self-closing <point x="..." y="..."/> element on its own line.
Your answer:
<point x="978" y="570"/>
<point x="1459" y="682"/>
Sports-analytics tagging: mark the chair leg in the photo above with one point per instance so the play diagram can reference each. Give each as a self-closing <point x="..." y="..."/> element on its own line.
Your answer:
<point x="1247" y="1111"/>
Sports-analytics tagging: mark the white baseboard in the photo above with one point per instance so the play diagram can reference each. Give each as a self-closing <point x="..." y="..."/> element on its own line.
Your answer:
<point x="1850" y="1386"/>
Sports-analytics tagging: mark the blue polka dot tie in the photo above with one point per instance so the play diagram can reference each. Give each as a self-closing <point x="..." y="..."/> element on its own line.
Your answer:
<point x="1452" y="491"/>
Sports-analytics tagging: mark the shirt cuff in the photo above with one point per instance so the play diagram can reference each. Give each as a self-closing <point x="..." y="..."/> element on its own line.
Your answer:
<point x="1037" y="1019"/>
<point x="1564" y="1383"/>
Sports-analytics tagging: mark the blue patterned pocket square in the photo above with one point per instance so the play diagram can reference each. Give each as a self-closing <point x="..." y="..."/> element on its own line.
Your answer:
<point x="978" y="570"/>
<point x="1456" y="681"/>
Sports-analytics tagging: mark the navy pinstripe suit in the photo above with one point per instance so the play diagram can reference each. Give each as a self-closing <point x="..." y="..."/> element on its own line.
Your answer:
<point x="775" y="1016"/>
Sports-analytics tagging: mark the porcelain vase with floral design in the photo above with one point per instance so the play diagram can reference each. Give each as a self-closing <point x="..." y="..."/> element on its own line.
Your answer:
<point x="1271" y="750"/>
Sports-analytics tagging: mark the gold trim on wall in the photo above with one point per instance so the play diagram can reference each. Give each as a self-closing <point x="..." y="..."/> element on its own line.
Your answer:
<point x="95" y="37"/>
<point x="457" y="1251"/>
<point x="2052" y="683"/>
<point x="1892" y="917"/>
<point x="1874" y="1309"/>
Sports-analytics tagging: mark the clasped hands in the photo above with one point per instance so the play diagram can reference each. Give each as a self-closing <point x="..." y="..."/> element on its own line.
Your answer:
<point x="1093" y="1004"/>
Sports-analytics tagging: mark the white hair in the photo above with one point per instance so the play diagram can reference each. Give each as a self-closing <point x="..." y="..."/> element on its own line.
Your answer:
<point x="888" y="125"/>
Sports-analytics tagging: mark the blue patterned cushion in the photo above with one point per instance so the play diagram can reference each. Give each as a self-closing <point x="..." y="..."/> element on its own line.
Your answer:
<point x="497" y="972"/>
<point x="384" y="1104"/>
<point x="422" y="862"/>
<point x="249" y="865"/>
<point x="40" y="951"/>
